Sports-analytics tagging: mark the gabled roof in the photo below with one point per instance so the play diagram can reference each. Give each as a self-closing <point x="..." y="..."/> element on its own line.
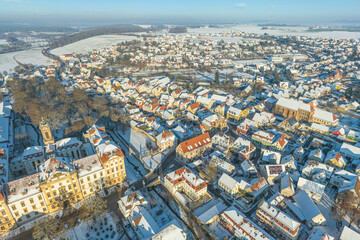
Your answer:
<point x="195" y="143"/>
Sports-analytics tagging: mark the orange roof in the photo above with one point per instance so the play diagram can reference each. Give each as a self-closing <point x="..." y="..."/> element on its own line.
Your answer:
<point x="104" y="157"/>
<point x="258" y="185"/>
<point x="177" y="91"/>
<point x="196" y="142"/>
<point x="194" y="106"/>
<point x="282" y="141"/>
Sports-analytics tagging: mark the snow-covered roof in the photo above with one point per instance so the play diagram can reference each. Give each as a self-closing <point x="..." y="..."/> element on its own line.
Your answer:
<point x="185" y="173"/>
<point x="320" y="234"/>
<point x="350" y="150"/>
<point x="280" y="216"/>
<point x="228" y="181"/>
<point x="306" y="205"/>
<point x="311" y="186"/>
<point x="172" y="232"/>
<point x="325" y="116"/>
<point x="293" y="104"/>
<point x="320" y="127"/>
<point x="243" y="225"/>
<point x="349" y="234"/>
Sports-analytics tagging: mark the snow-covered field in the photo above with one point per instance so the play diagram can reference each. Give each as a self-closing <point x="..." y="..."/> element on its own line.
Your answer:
<point x="292" y="31"/>
<point x="86" y="45"/>
<point x="7" y="63"/>
<point x="33" y="56"/>
<point x="3" y="42"/>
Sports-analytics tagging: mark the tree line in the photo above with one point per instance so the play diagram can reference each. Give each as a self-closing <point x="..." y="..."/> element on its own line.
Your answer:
<point x="62" y="41"/>
<point x="50" y="100"/>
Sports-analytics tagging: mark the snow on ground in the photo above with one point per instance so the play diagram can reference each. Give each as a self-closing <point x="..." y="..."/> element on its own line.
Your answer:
<point x="219" y="230"/>
<point x="249" y="62"/>
<point x="153" y="161"/>
<point x="325" y="208"/>
<point x="280" y="31"/>
<point x="98" y="229"/>
<point x="3" y="42"/>
<point x="7" y="63"/>
<point x="170" y="214"/>
<point x="229" y="39"/>
<point x="131" y="173"/>
<point x="33" y="56"/>
<point x="136" y="139"/>
<point x="86" y="45"/>
<point x="349" y="122"/>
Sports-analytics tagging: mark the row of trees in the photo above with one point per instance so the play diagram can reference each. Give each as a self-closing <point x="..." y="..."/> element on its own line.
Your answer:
<point x="50" y="100"/>
<point x="62" y="41"/>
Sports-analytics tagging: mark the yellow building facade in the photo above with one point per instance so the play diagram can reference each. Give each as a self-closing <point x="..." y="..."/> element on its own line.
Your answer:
<point x="60" y="182"/>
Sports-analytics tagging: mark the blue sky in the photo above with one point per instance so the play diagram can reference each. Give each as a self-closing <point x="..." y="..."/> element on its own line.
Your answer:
<point x="180" y="11"/>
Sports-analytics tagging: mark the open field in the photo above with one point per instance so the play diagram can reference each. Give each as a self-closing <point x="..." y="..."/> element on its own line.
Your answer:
<point x="86" y="45"/>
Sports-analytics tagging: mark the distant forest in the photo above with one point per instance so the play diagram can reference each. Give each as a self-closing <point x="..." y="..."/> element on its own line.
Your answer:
<point x="4" y="28"/>
<point x="65" y="40"/>
<point x="178" y="29"/>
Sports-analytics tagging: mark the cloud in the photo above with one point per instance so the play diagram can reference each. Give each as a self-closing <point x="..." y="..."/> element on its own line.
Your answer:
<point x="241" y="5"/>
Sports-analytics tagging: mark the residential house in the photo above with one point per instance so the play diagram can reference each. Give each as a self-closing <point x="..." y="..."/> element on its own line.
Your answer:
<point x="194" y="147"/>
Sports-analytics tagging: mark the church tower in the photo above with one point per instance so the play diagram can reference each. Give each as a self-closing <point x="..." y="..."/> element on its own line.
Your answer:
<point x="46" y="133"/>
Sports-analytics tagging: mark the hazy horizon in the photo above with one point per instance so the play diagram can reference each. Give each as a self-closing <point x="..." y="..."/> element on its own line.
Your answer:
<point x="95" y="13"/>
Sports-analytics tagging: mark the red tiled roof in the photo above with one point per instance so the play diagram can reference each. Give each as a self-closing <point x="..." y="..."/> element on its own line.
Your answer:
<point x="194" y="106"/>
<point x="196" y="142"/>
<point x="105" y="156"/>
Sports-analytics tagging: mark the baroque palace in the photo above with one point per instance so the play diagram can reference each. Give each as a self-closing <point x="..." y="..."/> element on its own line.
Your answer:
<point x="59" y="174"/>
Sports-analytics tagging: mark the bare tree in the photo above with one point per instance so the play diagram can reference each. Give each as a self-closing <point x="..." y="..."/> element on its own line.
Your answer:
<point x="45" y="229"/>
<point x="95" y="205"/>
<point x="347" y="203"/>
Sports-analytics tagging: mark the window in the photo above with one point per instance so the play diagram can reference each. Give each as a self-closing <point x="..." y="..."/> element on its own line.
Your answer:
<point x="42" y="204"/>
<point x="81" y="181"/>
<point x="31" y="200"/>
<point x="44" y="209"/>
<point x="34" y="207"/>
<point x="16" y="214"/>
<point x="13" y="207"/>
<point x="39" y="197"/>
<point x="25" y="210"/>
<point x="22" y="204"/>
